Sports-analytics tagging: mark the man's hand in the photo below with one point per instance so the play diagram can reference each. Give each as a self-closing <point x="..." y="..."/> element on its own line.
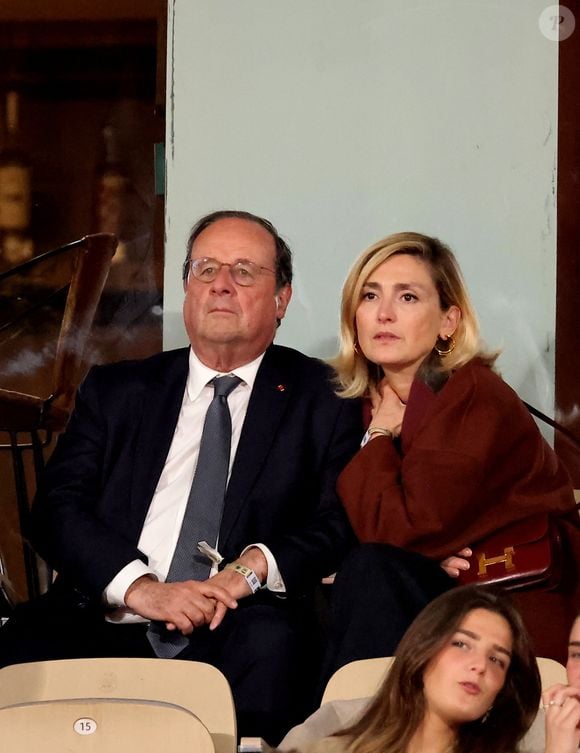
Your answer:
<point x="182" y="606"/>
<point x="235" y="584"/>
<point x="452" y="565"/>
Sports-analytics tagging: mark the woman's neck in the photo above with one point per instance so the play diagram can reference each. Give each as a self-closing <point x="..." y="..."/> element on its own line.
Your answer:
<point x="400" y="382"/>
<point x="433" y="736"/>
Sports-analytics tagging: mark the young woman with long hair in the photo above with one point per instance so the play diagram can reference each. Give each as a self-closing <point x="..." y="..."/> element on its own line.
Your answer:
<point x="464" y="680"/>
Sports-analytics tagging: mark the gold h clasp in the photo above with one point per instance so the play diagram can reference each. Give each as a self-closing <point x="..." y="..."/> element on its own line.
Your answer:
<point x="506" y="557"/>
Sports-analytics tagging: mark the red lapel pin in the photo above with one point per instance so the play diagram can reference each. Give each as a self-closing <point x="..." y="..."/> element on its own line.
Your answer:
<point x="281" y="387"/>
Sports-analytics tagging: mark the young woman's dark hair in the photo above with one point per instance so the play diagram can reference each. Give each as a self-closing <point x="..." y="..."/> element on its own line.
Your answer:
<point x="399" y="706"/>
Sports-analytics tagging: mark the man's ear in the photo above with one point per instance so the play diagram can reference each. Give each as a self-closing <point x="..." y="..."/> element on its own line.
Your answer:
<point x="282" y="299"/>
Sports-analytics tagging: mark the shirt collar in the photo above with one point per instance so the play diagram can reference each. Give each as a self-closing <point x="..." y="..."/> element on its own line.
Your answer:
<point x="200" y="374"/>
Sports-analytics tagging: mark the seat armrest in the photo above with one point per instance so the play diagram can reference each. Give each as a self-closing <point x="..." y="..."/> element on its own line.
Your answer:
<point x="253" y="745"/>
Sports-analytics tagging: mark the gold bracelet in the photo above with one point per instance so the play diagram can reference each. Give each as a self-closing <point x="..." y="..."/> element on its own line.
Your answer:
<point x="376" y="430"/>
<point x="380" y="430"/>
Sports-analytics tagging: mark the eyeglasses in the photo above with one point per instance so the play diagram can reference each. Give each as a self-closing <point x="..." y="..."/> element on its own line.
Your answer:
<point x="243" y="272"/>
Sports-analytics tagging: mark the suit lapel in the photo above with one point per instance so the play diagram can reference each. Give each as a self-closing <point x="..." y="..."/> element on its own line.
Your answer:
<point x="268" y="402"/>
<point x="162" y="401"/>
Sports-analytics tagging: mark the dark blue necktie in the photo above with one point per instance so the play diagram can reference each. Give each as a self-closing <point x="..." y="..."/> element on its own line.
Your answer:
<point x="203" y="513"/>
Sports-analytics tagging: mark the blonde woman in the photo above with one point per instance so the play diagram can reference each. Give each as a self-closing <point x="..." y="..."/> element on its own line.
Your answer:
<point x="451" y="453"/>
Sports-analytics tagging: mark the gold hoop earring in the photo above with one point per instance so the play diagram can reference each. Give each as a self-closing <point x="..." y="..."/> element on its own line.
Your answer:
<point x="450" y="342"/>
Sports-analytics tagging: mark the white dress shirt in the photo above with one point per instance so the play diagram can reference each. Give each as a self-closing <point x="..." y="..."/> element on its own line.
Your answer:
<point x="165" y="515"/>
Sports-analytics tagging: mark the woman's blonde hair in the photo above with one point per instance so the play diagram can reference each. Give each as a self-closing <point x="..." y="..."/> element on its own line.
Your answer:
<point x="399" y="706"/>
<point x="354" y="371"/>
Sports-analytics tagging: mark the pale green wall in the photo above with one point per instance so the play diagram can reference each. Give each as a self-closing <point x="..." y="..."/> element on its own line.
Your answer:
<point x="343" y="121"/>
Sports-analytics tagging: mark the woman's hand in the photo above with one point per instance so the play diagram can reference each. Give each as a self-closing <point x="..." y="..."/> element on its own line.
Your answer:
<point x="457" y="562"/>
<point x="561" y="704"/>
<point x="388" y="410"/>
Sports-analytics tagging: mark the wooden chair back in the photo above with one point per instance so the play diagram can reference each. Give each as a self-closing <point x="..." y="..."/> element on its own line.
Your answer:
<point x="197" y="687"/>
<point x="101" y="726"/>
<point x="359" y="679"/>
<point x="551" y="672"/>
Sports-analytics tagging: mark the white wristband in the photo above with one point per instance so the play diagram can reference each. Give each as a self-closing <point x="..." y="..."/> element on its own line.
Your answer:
<point x="251" y="578"/>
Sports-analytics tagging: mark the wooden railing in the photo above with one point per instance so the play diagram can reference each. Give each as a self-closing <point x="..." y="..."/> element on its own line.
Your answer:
<point x="27" y="420"/>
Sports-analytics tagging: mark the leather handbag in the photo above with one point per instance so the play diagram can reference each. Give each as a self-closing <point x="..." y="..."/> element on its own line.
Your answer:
<point x="523" y="555"/>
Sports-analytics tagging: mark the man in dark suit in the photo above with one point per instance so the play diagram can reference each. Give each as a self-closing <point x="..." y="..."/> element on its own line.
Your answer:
<point x="108" y="514"/>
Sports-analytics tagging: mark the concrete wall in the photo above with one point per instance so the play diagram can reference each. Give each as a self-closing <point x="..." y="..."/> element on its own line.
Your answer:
<point x="345" y="121"/>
